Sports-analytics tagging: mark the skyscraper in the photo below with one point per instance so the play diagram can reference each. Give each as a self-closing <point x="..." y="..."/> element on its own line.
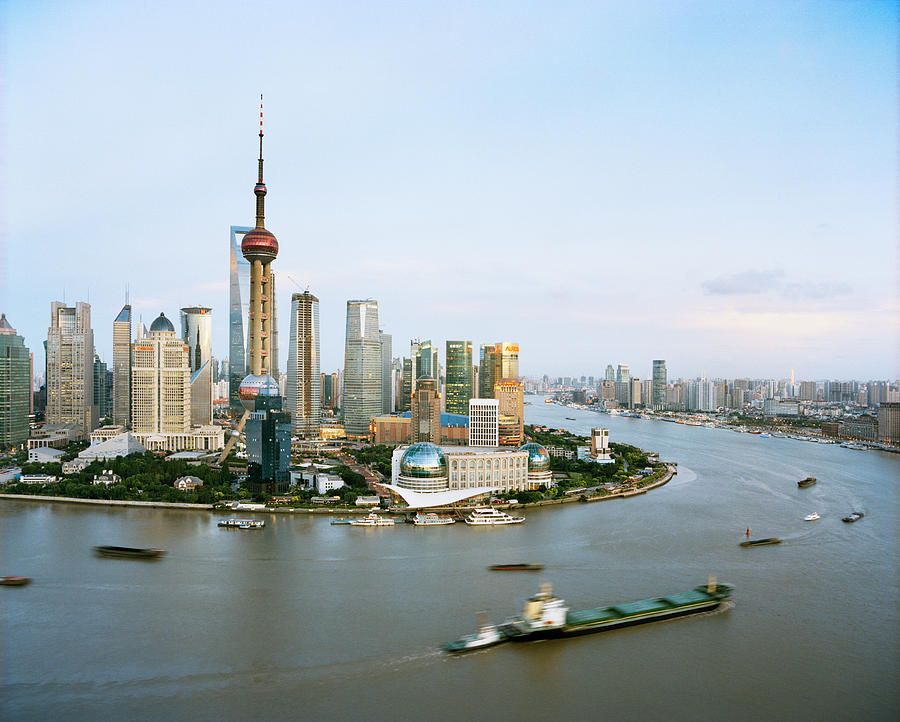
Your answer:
<point x="70" y="367"/>
<point x="510" y="394"/>
<point x="405" y="385"/>
<point x="486" y="371"/>
<point x="387" y="396"/>
<point x="160" y="382"/>
<point x="362" y="368"/>
<point x="238" y="313"/>
<point x="610" y="373"/>
<point x="483" y="422"/>
<point x="506" y="361"/>
<point x="303" y="399"/>
<point x="425" y="421"/>
<point x="102" y="389"/>
<point x="196" y="330"/>
<point x="15" y="386"/>
<point x="659" y="384"/>
<point x="122" y="367"/>
<point x="459" y="377"/>
<point x="428" y="361"/>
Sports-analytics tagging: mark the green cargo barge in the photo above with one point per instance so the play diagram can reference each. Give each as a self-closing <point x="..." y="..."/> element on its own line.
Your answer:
<point x="548" y="616"/>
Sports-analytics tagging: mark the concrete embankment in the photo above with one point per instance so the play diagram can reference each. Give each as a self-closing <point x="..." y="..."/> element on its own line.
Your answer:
<point x="108" y="502"/>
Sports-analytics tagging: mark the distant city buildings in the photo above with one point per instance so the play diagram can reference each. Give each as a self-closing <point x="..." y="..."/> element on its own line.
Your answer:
<point x="660" y="382"/>
<point x="387" y="389"/>
<point x="15" y="386"/>
<point x="160" y="382"/>
<point x="425" y="424"/>
<point x="70" y="368"/>
<point x="510" y="395"/>
<point x="362" y="368"/>
<point x="304" y="382"/>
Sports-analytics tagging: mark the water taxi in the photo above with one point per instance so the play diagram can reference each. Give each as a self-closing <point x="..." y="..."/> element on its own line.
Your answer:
<point x="372" y="519"/>
<point x="432" y="519"/>
<point x="488" y="516"/>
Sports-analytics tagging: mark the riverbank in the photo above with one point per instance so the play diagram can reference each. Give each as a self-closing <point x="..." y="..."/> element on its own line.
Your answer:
<point x="671" y="471"/>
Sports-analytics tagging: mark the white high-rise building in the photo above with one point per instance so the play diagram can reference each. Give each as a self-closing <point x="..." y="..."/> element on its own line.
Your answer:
<point x="70" y="367"/>
<point x="303" y="392"/>
<point x="362" y="368"/>
<point x="484" y="422"/>
<point x="196" y="330"/>
<point x="160" y="382"/>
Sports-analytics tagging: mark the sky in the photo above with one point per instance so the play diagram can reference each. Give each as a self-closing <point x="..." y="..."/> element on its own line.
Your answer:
<point x="710" y="183"/>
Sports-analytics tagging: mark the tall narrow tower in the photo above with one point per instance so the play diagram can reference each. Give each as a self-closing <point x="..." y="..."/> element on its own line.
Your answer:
<point x="259" y="247"/>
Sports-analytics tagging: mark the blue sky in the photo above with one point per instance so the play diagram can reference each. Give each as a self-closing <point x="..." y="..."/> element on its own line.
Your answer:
<point x="710" y="183"/>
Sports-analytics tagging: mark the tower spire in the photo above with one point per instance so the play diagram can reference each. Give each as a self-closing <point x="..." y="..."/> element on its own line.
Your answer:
<point x="260" y="189"/>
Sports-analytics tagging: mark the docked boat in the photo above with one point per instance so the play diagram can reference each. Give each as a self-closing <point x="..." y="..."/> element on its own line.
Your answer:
<point x="811" y="517"/>
<point x="13" y="581"/>
<point x="488" y="516"/>
<point x="241" y="523"/>
<point x="432" y="519"/>
<point x="545" y="615"/>
<point x="808" y="481"/>
<point x="486" y="636"/>
<point x="854" y="516"/>
<point x="372" y="519"/>
<point x="128" y="552"/>
<point x="522" y="567"/>
<point x="761" y="542"/>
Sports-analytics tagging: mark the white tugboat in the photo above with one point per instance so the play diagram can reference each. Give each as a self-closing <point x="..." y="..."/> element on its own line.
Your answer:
<point x="488" y="516"/>
<point x="487" y="636"/>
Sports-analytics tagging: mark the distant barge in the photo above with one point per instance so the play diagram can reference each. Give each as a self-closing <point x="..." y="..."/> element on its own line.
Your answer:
<point x="129" y="552"/>
<point x="522" y="567"/>
<point x="548" y="616"/>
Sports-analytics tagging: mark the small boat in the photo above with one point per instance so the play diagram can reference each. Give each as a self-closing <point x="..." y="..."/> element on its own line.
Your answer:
<point x="129" y="552"/>
<point x="487" y="636"/>
<point x="241" y="523"/>
<point x="13" y="581"/>
<point x="811" y="517"/>
<point x="570" y="418"/>
<point x="432" y="519"/>
<point x="523" y="567"/>
<point x="808" y="481"/>
<point x="488" y="516"/>
<point x="761" y="542"/>
<point x="855" y="516"/>
<point x="372" y="519"/>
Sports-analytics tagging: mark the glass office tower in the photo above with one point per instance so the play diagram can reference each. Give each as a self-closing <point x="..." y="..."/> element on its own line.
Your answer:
<point x="458" y="383"/>
<point x="362" y="368"/>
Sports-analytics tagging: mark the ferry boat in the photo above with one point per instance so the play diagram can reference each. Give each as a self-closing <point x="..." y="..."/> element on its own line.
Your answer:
<point x="854" y="516"/>
<point x="760" y="542"/>
<point x="808" y="481"/>
<point x="487" y="635"/>
<point x="372" y="519"/>
<point x="488" y="516"/>
<point x="545" y="615"/>
<point x="241" y="523"/>
<point x="811" y="517"/>
<point x="128" y="552"/>
<point x="432" y="519"/>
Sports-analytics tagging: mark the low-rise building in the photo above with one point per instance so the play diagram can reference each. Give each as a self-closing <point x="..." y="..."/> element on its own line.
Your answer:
<point x="74" y="466"/>
<point x="328" y="482"/>
<point x="106" y="478"/>
<point x="188" y="483"/>
<point x="42" y="479"/>
<point x="53" y="435"/>
<point x="121" y="445"/>
<point x="44" y="455"/>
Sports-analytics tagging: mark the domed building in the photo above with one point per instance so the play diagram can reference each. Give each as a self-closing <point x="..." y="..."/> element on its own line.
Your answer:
<point x="162" y="325"/>
<point x="538" y="465"/>
<point x="423" y="468"/>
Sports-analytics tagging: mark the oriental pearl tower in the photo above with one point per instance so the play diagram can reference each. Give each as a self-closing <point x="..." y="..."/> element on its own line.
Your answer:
<point x="259" y="247"/>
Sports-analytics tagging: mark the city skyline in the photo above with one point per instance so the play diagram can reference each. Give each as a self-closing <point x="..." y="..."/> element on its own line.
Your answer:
<point x="687" y="203"/>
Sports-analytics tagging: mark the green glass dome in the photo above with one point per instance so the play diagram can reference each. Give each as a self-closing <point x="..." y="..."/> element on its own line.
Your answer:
<point x="538" y="458"/>
<point x="423" y="461"/>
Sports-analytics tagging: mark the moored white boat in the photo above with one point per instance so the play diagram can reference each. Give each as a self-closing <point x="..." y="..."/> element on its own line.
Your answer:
<point x="242" y="523"/>
<point x="811" y="517"/>
<point x="488" y="516"/>
<point x="432" y="519"/>
<point x="372" y="519"/>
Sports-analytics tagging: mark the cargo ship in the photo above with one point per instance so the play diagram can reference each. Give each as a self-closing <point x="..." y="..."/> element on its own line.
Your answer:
<point x="761" y="542"/>
<point x="129" y="552"/>
<point x="548" y="616"/>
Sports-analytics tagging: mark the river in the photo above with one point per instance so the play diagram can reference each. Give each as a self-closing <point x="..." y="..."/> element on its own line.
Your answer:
<point x="307" y="620"/>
